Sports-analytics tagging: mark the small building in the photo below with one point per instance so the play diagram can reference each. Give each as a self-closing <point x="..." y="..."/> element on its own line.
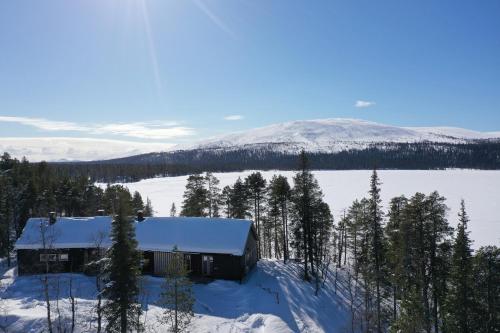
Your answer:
<point x="212" y="247"/>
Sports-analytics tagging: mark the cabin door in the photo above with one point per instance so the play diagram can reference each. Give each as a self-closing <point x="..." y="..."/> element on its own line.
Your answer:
<point x="207" y="265"/>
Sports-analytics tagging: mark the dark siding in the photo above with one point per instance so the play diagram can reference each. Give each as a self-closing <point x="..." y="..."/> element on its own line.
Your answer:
<point x="227" y="266"/>
<point x="29" y="261"/>
<point x="249" y="258"/>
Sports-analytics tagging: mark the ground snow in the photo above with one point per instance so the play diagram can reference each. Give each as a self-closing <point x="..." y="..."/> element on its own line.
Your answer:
<point x="221" y="306"/>
<point x="480" y="189"/>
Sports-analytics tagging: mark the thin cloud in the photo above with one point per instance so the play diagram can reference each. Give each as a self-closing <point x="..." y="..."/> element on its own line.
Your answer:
<point x="233" y="117"/>
<point x="43" y="124"/>
<point x="156" y="130"/>
<point x="363" y="104"/>
<point x="77" y="149"/>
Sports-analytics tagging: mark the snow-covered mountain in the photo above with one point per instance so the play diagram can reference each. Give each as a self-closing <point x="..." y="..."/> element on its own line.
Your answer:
<point x="333" y="135"/>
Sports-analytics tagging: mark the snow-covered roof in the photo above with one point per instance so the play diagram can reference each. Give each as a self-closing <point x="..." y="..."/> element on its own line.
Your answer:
<point x="188" y="234"/>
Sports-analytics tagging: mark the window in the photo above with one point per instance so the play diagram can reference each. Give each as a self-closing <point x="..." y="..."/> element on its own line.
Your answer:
<point x="63" y="257"/>
<point x="48" y="257"/>
<point x="187" y="261"/>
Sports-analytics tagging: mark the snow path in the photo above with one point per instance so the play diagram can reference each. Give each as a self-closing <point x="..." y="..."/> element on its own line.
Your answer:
<point x="479" y="188"/>
<point x="221" y="306"/>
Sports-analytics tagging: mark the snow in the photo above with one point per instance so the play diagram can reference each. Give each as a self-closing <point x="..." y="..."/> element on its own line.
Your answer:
<point x="479" y="188"/>
<point x="273" y="299"/>
<point x="74" y="232"/>
<point x="333" y="135"/>
<point x="188" y="234"/>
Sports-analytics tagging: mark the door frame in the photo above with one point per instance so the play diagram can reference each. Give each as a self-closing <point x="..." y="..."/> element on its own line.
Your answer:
<point x="207" y="265"/>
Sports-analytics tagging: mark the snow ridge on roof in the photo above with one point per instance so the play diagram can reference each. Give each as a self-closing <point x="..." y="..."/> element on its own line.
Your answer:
<point x="188" y="234"/>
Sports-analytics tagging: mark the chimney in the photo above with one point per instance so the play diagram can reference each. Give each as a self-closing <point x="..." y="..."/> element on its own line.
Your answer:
<point x="52" y="217"/>
<point x="100" y="212"/>
<point x="140" y="216"/>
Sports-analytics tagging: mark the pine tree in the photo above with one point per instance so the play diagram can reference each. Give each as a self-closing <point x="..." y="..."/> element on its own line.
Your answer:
<point x="226" y="200"/>
<point x="305" y="195"/>
<point x="238" y="200"/>
<point x="438" y="239"/>
<point x="177" y="295"/>
<point x="256" y="185"/>
<point x="278" y="200"/>
<point x="460" y="296"/>
<point x="195" y="197"/>
<point x="122" y="273"/>
<point x="213" y="194"/>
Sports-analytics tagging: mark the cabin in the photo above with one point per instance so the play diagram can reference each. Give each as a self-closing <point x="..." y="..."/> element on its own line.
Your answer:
<point x="216" y="248"/>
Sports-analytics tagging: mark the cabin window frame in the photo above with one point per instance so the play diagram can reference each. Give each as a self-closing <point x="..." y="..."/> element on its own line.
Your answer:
<point x="44" y="257"/>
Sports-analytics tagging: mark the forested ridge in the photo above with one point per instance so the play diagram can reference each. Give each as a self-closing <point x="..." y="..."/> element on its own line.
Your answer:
<point x="425" y="155"/>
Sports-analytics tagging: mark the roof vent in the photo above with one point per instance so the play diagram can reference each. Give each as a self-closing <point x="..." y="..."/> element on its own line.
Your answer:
<point x="100" y="212"/>
<point x="52" y="217"/>
<point x="140" y="215"/>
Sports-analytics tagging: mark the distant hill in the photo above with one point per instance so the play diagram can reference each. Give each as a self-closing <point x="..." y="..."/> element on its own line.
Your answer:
<point x="330" y="143"/>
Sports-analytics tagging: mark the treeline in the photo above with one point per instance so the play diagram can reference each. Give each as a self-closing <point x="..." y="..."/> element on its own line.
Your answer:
<point x="405" y="269"/>
<point x="409" y="271"/>
<point x="34" y="190"/>
<point x="423" y="155"/>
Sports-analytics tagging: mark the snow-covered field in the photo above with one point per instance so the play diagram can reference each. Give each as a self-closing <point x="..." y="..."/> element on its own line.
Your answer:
<point x="273" y="299"/>
<point x="480" y="189"/>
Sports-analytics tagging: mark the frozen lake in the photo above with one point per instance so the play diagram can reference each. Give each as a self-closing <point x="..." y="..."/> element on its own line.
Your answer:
<point x="479" y="188"/>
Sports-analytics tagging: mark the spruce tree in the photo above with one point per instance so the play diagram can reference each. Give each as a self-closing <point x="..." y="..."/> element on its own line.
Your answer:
<point x="122" y="308"/>
<point x="173" y="210"/>
<point x="460" y="295"/>
<point x="377" y="243"/>
<point x="148" y="208"/>
<point x="486" y="314"/>
<point x="395" y="252"/>
<point x="137" y="203"/>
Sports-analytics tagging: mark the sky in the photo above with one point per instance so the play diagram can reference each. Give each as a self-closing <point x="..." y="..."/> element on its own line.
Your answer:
<point x="88" y="79"/>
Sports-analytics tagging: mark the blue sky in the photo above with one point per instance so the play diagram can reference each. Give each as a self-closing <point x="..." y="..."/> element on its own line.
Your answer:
<point x="165" y="71"/>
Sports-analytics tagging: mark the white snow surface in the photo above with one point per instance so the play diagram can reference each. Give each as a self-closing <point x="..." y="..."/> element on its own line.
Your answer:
<point x="336" y="134"/>
<point x="188" y="234"/>
<point x="273" y="299"/>
<point x="192" y="234"/>
<point x="479" y="188"/>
